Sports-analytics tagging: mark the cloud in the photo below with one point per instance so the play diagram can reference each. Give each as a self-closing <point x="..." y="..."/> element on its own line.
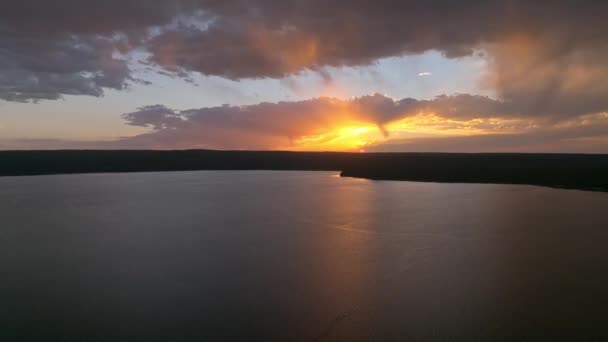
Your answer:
<point x="280" y="125"/>
<point x="47" y="18"/>
<point x="46" y="69"/>
<point x="49" y="49"/>
<point x="489" y="125"/>
<point x="546" y="58"/>
<point x="554" y="74"/>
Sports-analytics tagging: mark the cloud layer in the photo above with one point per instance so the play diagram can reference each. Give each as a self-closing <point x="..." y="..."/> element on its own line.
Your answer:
<point x="547" y="60"/>
<point x="374" y="122"/>
<point x="284" y="124"/>
<point x="546" y="56"/>
<point x="46" y="68"/>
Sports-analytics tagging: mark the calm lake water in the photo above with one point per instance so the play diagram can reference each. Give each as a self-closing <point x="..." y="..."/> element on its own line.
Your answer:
<point x="297" y="256"/>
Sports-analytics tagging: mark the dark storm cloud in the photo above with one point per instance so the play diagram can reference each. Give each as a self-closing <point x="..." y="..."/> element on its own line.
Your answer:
<point x="546" y="58"/>
<point x="275" y="38"/>
<point x="34" y="68"/>
<point x="45" y="17"/>
<point x="278" y="38"/>
<point x="71" y="47"/>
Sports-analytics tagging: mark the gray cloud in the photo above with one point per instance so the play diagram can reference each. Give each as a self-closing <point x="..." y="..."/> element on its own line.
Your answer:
<point x="49" y="49"/>
<point x="546" y="58"/>
<point x="301" y="118"/>
<point x="46" y="18"/>
<point x="47" y="68"/>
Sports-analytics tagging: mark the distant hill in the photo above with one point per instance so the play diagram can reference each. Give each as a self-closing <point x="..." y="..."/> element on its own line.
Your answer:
<point x="577" y="171"/>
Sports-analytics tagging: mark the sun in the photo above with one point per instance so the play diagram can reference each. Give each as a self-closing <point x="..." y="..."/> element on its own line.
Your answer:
<point x="352" y="138"/>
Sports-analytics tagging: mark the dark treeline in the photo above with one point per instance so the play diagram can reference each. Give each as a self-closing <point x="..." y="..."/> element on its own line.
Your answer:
<point x="589" y="172"/>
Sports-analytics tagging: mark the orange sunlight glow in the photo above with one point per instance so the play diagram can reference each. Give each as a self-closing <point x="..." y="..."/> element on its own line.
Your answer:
<point x="348" y="138"/>
<point x="359" y="136"/>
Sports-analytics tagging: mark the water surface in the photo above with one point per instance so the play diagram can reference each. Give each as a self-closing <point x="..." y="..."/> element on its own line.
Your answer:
<point x="303" y="256"/>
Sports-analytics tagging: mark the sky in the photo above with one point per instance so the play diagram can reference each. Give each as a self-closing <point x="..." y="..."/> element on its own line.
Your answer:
<point x="384" y="75"/>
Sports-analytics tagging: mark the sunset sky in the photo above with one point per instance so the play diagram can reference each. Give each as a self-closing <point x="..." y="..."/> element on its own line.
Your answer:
<point x="384" y="75"/>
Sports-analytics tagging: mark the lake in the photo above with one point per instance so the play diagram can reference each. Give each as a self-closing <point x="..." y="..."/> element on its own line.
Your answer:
<point x="297" y="256"/>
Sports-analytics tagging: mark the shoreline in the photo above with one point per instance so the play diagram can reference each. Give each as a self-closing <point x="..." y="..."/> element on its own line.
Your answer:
<point x="479" y="182"/>
<point x="586" y="172"/>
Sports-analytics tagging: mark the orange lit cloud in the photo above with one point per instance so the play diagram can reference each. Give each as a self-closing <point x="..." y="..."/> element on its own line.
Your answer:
<point x="373" y="123"/>
<point x="321" y="123"/>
